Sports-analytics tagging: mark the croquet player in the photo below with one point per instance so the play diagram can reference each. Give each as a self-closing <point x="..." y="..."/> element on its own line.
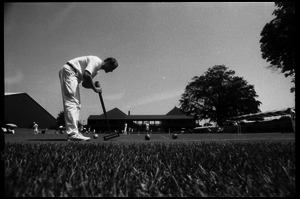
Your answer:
<point x="80" y="70"/>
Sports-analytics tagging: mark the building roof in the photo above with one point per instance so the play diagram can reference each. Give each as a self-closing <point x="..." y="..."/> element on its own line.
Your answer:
<point x="7" y="94"/>
<point x="176" y="111"/>
<point x="117" y="114"/>
<point x="158" y="117"/>
<point x="112" y="114"/>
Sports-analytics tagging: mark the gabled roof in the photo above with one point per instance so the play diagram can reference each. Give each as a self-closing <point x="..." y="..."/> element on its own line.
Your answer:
<point x="117" y="114"/>
<point x="9" y="95"/>
<point x="112" y="114"/>
<point x="176" y="111"/>
<point x="158" y="117"/>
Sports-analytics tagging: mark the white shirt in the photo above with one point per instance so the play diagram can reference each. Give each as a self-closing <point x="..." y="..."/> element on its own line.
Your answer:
<point x="90" y="63"/>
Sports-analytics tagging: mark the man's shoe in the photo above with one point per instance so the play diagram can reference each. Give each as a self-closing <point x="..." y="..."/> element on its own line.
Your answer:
<point x="78" y="137"/>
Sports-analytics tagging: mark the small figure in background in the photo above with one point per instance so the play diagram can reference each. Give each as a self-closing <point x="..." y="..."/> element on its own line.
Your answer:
<point x="125" y="128"/>
<point x="293" y="117"/>
<point x="239" y="129"/>
<point x="147" y="127"/>
<point x="35" y="128"/>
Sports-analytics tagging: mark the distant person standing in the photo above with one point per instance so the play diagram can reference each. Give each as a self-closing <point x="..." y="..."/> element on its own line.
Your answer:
<point x="125" y="128"/>
<point x="81" y="69"/>
<point x="35" y="128"/>
<point x="293" y="117"/>
<point x="239" y="129"/>
<point x="147" y="127"/>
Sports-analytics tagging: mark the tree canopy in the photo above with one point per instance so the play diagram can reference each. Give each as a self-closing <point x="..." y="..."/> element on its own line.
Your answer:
<point x="60" y="120"/>
<point x="218" y="95"/>
<point x="278" y="40"/>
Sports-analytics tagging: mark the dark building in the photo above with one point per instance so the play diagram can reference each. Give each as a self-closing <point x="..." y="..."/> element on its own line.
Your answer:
<point x="174" y="120"/>
<point x="22" y="110"/>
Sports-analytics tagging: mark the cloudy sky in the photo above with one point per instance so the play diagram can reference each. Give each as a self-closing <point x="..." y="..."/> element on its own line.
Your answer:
<point x="160" y="47"/>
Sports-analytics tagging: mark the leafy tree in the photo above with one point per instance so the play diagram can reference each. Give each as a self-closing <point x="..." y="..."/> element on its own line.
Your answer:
<point x="218" y="95"/>
<point x="60" y="120"/>
<point x="278" y="40"/>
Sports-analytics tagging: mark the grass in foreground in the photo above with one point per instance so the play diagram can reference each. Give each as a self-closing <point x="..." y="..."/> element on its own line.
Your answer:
<point x="158" y="169"/>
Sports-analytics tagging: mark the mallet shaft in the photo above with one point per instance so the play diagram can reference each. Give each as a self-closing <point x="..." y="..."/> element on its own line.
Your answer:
<point x="111" y="135"/>
<point x="104" y="110"/>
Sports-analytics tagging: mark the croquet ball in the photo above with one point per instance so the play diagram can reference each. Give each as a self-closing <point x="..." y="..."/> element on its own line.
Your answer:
<point x="95" y="136"/>
<point x="147" y="137"/>
<point x="174" y="136"/>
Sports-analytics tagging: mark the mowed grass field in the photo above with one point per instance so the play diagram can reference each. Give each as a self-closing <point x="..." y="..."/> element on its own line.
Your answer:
<point x="27" y="136"/>
<point x="230" y="165"/>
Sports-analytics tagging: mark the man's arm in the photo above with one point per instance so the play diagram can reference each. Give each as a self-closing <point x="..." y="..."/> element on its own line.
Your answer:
<point x="86" y="85"/>
<point x="88" y="82"/>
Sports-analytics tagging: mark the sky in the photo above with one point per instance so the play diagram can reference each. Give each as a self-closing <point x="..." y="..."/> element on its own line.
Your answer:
<point x="160" y="47"/>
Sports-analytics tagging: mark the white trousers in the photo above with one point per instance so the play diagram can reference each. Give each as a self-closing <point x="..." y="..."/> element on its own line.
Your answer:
<point x="71" y="98"/>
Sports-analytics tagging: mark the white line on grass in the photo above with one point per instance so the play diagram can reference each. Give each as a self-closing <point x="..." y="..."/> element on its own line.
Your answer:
<point x="240" y="139"/>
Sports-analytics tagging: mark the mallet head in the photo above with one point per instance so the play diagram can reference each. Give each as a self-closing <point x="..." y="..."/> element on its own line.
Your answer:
<point x="110" y="136"/>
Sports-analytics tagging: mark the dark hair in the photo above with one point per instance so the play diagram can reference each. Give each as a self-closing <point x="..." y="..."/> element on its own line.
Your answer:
<point x="111" y="62"/>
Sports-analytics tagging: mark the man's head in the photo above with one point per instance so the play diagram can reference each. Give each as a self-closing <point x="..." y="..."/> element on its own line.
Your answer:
<point x="110" y="64"/>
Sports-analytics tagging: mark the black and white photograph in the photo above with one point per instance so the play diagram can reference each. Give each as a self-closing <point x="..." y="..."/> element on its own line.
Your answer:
<point x="149" y="99"/>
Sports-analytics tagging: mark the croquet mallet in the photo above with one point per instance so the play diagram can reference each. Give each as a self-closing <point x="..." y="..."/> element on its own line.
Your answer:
<point x="111" y="134"/>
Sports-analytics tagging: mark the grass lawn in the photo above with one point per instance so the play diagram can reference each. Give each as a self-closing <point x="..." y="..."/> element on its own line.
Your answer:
<point x="193" y="165"/>
<point x="26" y="135"/>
